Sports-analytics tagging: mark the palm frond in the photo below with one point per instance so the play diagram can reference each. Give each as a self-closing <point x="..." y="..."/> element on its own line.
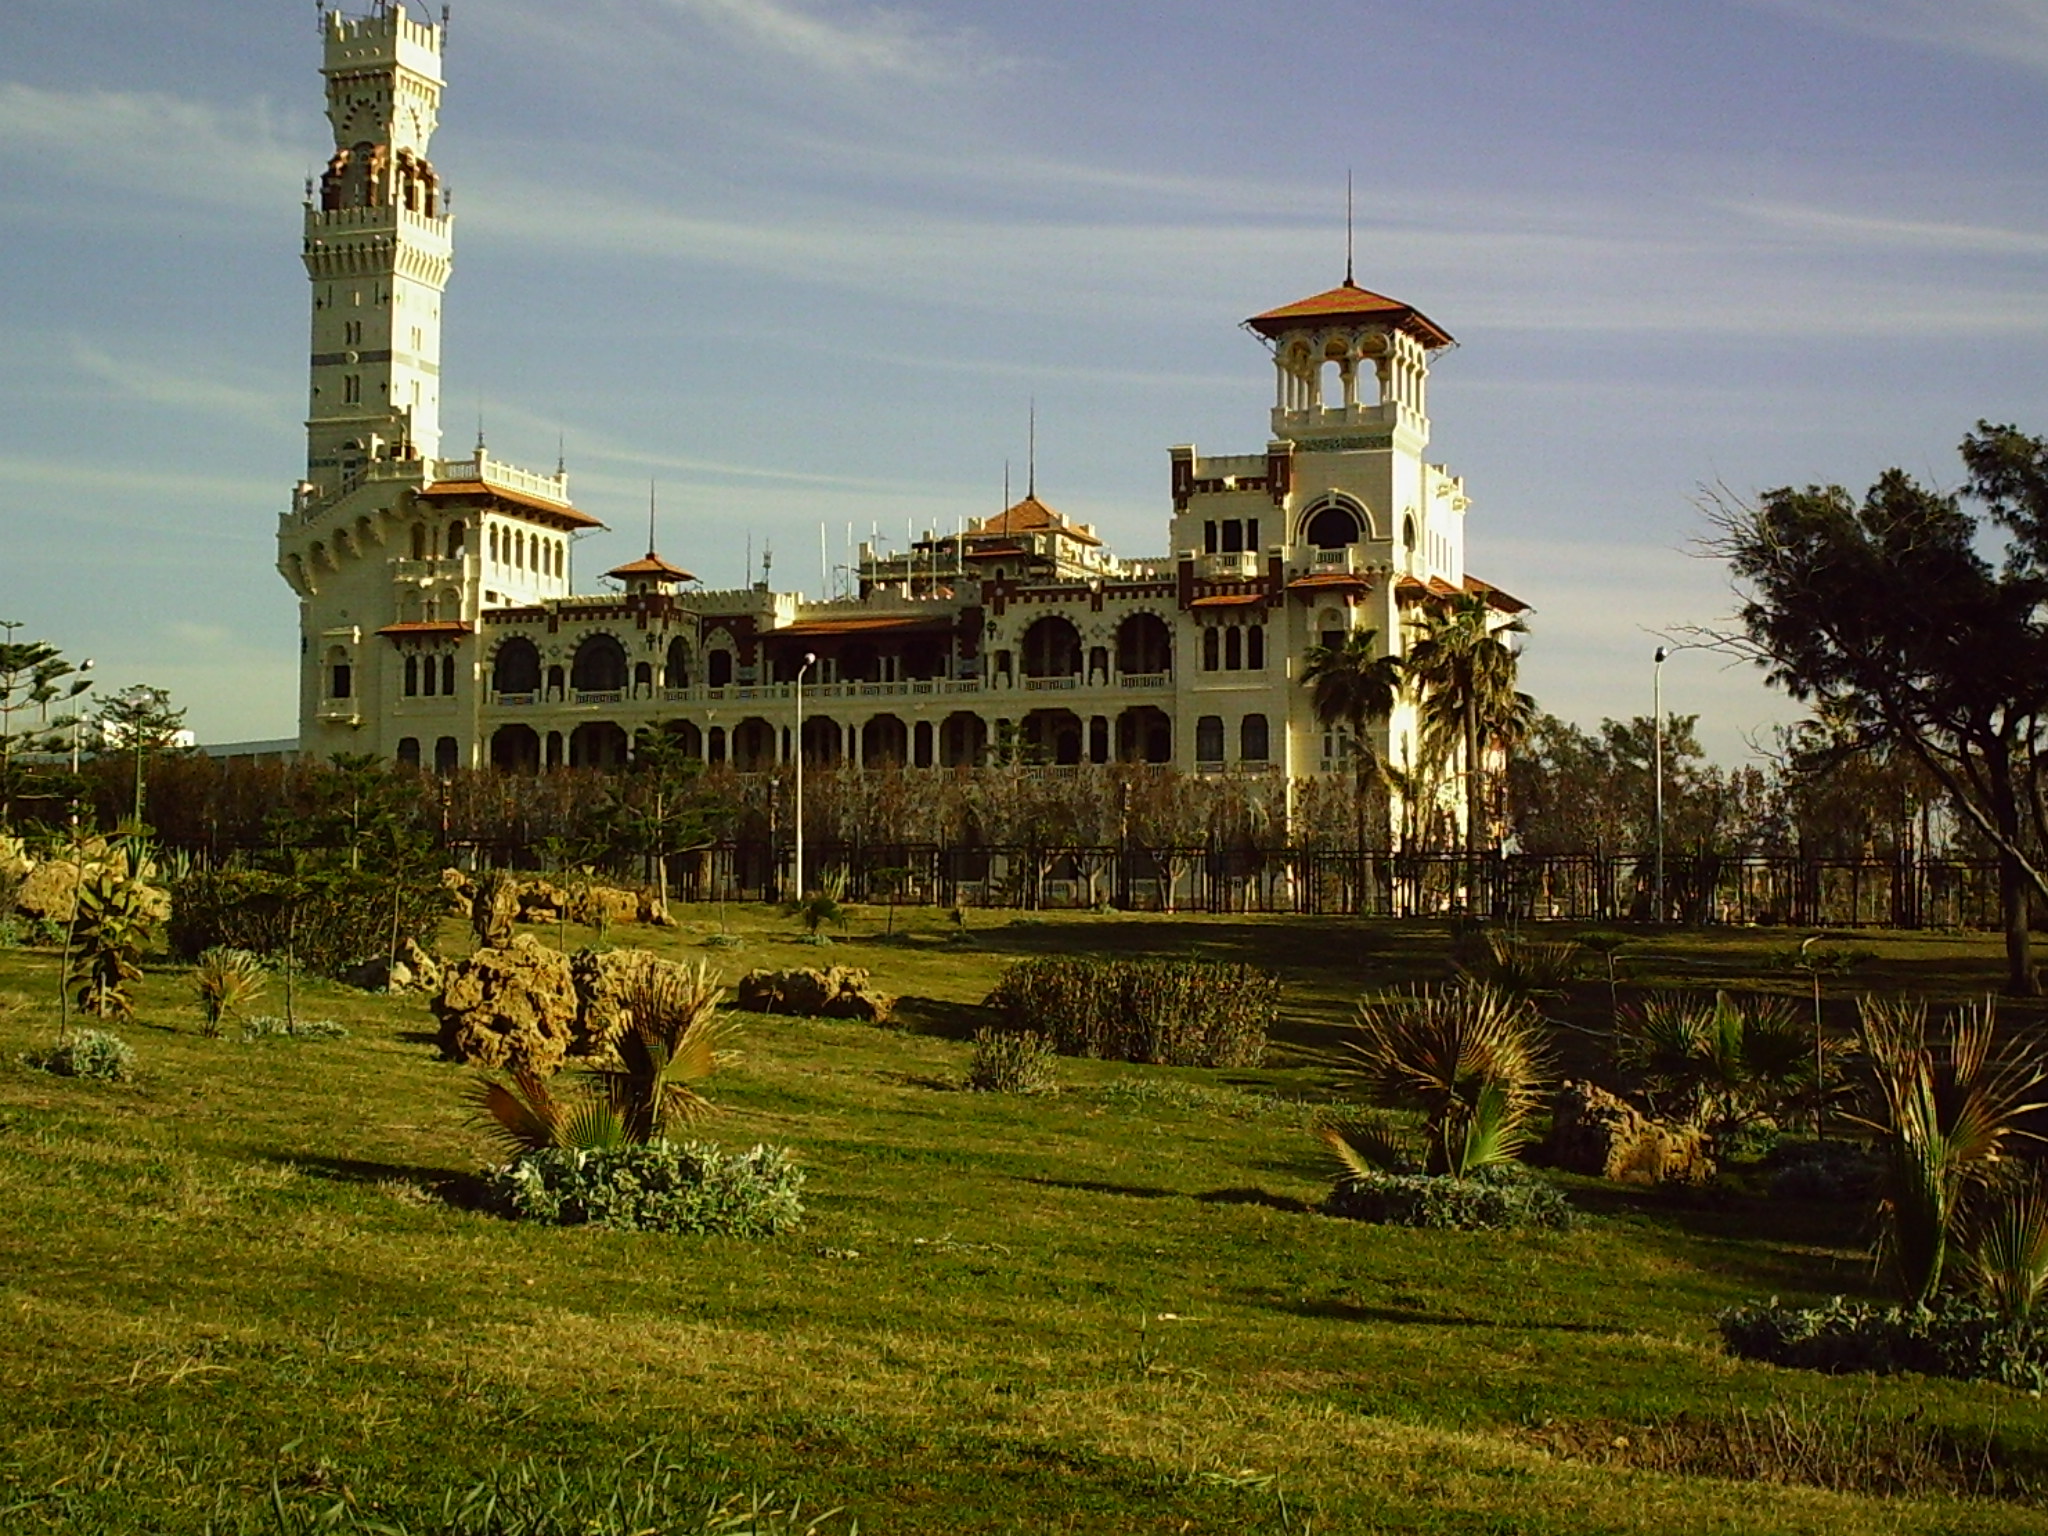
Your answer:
<point x="521" y="1116"/>
<point x="1365" y="1146"/>
<point x="2007" y="1264"/>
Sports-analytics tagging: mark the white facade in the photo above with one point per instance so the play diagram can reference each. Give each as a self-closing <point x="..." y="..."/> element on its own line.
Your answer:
<point x="439" y="626"/>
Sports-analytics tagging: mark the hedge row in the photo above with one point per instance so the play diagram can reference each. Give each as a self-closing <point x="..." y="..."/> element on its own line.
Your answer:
<point x="1176" y="1013"/>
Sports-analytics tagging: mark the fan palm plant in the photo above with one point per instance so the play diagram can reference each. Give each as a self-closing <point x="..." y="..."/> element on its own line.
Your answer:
<point x="1946" y="1113"/>
<point x="2007" y="1259"/>
<point x="1471" y="1059"/>
<point x="1725" y="1061"/>
<point x="669" y="1046"/>
<point x="826" y="904"/>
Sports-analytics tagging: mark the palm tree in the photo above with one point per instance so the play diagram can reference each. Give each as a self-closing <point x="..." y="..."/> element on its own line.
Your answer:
<point x="1352" y="685"/>
<point x="1465" y="675"/>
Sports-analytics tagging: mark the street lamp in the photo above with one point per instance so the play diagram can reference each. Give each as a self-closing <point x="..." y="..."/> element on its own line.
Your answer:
<point x="809" y="659"/>
<point x="1657" y="709"/>
<point x="77" y="722"/>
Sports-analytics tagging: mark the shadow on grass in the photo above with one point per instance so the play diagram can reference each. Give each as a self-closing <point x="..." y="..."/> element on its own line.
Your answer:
<point x="1096" y="1187"/>
<point x="949" y="1021"/>
<point x="1259" y="1197"/>
<point x="1354" y="1312"/>
<point x="465" y="1190"/>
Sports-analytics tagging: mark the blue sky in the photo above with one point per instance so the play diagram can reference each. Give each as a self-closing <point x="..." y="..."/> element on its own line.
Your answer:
<point x="811" y="260"/>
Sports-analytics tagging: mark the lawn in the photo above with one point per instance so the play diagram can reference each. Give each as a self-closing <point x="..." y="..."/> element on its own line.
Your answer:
<point x="1111" y="1310"/>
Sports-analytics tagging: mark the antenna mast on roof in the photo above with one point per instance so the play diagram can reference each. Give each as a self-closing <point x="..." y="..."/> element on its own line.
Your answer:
<point x="650" y="517"/>
<point x="1031" y="462"/>
<point x="561" y="455"/>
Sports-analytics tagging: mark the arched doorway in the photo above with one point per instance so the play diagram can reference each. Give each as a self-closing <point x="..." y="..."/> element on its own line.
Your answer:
<point x="515" y="749"/>
<point x="1144" y="646"/>
<point x="1052" y="648"/>
<point x="516" y="667"/>
<point x="600" y="665"/>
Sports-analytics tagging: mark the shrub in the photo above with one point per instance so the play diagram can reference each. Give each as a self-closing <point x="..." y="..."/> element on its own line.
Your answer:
<point x="658" y="1186"/>
<point x="269" y="1027"/>
<point x="1970" y="1343"/>
<point x="115" y="913"/>
<point x="1176" y="1013"/>
<point x="1726" y="1062"/>
<point x="1525" y="967"/>
<point x="89" y="1053"/>
<point x="1006" y="1062"/>
<point x="1835" y="1171"/>
<point x="331" y="923"/>
<point x="226" y="981"/>
<point x="1503" y="1198"/>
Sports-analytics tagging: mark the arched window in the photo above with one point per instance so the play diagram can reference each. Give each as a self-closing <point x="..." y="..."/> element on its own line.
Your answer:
<point x="1210" y="647"/>
<point x="516" y="667"/>
<point x="676" y="673"/>
<point x="419" y="541"/>
<point x="1252" y="744"/>
<point x="494" y="544"/>
<point x="519" y="548"/>
<point x="431" y="677"/>
<point x="445" y="752"/>
<point x="720" y="667"/>
<point x="599" y="665"/>
<point x="1255" y="648"/>
<point x="1333" y="526"/>
<point x="1052" y="648"/>
<point x="448" y="674"/>
<point x="1209" y="739"/>
<point x="1233" y="649"/>
<point x="409" y="751"/>
<point x="412" y="687"/>
<point x="457" y="533"/>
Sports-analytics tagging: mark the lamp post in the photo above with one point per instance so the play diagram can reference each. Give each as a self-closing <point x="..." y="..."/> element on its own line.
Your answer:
<point x="809" y="659"/>
<point x="1664" y="652"/>
<point x="1657" y="713"/>
<point x="77" y="723"/>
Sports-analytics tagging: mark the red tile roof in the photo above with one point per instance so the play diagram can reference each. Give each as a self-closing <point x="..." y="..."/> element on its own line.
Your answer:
<point x="426" y="629"/>
<point x="560" y="511"/>
<point x="1412" y="590"/>
<point x="1229" y="600"/>
<point x="1501" y="600"/>
<point x="864" y="624"/>
<point x="1348" y="301"/>
<point x="652" y="565"/>
<point x="1329" y="579"/>
<point x="1030" y="515"/>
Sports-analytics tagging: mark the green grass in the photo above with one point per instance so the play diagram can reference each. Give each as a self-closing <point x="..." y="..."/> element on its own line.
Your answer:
<point x="1110" y="1310"/>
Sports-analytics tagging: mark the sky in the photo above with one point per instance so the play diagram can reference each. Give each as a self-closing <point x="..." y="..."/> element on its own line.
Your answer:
<point x="804" y="261"/>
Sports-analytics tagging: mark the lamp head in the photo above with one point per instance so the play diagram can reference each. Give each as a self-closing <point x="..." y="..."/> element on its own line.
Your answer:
<point x="1662" y="652"/>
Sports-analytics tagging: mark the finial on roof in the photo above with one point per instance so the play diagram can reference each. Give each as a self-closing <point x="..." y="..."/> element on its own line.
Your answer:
<point x="1031" y="463"/>
<point x="1348" y="280"/>
<point x="479" y="430"/>
<point x="561" y="455"/>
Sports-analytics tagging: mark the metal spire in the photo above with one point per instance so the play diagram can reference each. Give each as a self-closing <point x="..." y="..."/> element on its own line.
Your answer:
<point x="1348" y="283"/>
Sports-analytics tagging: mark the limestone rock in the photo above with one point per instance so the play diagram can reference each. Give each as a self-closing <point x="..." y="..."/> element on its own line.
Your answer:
<point x="513" y="1007"/>
<point x="461" y="891"/>
<point x="50" y="893"/>
<point x="1592" y="1131"/>
<point x="837" y="992"/>
<point x="603" y="980"/>
<point x="414" y="971"/>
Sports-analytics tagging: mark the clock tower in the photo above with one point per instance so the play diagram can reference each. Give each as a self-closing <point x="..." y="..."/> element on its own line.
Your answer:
<point x="377" y="249"/>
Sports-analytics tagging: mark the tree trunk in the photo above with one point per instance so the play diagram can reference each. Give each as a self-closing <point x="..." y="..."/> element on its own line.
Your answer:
<point x="2015" y="904"/>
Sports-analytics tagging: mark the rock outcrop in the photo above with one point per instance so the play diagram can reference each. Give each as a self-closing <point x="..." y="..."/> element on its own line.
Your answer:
<point x="513" y="1007"/>
<point x="1592" y="1131"/>
<point x="837" y="992"/>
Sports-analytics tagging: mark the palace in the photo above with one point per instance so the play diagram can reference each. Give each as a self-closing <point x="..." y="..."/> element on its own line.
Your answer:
<point x="440" y="628"/>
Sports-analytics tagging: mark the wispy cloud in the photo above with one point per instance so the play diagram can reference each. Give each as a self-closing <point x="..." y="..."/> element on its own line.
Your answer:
<point x="267" y="405"/>
<point x="2009" y="31"/>
<point x="210" y="157"/>
<point x="848" y="41"/>
<point x="1864" y="231"/>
